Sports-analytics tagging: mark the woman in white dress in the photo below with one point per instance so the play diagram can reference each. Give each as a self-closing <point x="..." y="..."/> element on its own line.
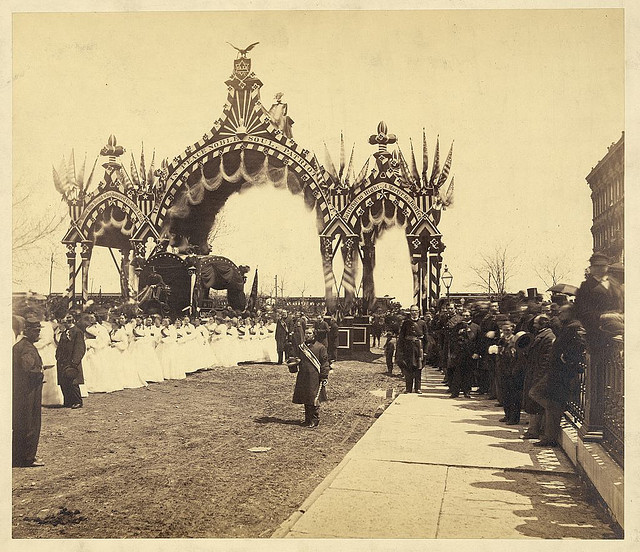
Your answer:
<point x="51" y="392"/>
<point x="190" y="362"/>
<point x="232" y="343"/>
<point x="148" y="357"/>
<point x="202" y="351"/>
<point x="142" y="352"/>
<point x="218" y="344"/>
<point x="267" y="340"/>
<point x="242" y="342"/>
<point x="124" y="337"/>
<point x="213" y="345"/>
<point x="175" y="361"/>
<point x="166" y="347"/>
<point x="98" y="359"/>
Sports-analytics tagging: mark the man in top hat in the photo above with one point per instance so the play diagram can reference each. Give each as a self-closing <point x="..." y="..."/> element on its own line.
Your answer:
<point x="71" y="349"/>
<point x="412" y="344"/>
<point x="598" y="294"/>
<point x="27" y="392"/>
<point x="313" y="372"/>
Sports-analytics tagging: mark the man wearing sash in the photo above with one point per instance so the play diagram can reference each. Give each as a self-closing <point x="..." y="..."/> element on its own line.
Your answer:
<point x="313" y="372"/>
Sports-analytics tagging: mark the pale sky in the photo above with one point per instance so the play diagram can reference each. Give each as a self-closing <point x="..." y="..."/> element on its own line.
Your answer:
<point x="531" y="98"/>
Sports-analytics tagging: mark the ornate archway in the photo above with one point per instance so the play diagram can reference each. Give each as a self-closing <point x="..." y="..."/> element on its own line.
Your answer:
<point x="251" y="145"/>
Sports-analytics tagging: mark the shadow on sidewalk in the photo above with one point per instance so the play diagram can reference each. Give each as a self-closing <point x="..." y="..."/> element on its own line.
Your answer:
<point x="559" y="506"/>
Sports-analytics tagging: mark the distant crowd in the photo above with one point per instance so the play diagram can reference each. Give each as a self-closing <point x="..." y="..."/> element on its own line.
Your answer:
<point x="527" y="358"/>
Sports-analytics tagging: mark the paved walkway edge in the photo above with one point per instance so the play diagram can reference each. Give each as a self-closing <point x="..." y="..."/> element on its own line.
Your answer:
<point x="600" y="470"/>
<point x="286" y="526"/>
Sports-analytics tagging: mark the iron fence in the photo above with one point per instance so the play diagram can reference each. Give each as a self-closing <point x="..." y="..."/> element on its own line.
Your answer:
<point x="613" y="426"/>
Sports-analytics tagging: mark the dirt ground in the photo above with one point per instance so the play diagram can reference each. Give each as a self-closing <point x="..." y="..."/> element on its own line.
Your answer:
<point x="173" y="460"/>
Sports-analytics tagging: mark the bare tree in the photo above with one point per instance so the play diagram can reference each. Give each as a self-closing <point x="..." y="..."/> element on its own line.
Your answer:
<point x="28" y="228"/>
<point x="302" y="288"/>
<point x="551" y="271"/>
<point x="218" y="230"/>
<point x="36" y="231"/>
<point x="495" y="270"/>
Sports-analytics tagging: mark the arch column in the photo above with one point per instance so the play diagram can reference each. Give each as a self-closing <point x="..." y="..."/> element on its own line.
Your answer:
<point x="71" y="264"/>
<point x="124" y="273"/>
<point x="368" y="265"/>
<point x="350" y="257"/>
<point x="85" y="255"/>
<point x="139" y="254"/>
<point x="330" y="292"/>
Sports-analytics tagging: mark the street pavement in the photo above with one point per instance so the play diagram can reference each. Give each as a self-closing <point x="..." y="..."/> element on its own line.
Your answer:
<point x="432" y="467"/>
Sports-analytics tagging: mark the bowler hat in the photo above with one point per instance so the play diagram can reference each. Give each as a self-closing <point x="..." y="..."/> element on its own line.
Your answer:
<point x="32" y="322"/>
<point x="599" y="259"/>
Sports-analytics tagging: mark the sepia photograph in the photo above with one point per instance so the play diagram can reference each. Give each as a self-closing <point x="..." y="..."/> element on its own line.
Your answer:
<point x="317" y="274"/>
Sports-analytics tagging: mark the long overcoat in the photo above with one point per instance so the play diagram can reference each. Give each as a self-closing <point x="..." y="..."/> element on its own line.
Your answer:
<point x="568" y="360"/>
<point x="282" y="334"/>
<point x="538" y="368"/>
<point x="27" y="396"/>
<point x="594" y="299"/>
<point x="308" y="379"/>
<point x="71" y="349"/>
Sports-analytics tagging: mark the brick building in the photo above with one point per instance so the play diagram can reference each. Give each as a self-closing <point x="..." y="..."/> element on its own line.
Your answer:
<point x="606" y="181"/>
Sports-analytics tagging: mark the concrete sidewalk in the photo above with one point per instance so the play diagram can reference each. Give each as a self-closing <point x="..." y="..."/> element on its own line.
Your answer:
<point x="435" y="467"/>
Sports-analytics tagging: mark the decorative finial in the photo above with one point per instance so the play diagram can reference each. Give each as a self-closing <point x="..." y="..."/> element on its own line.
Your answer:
<point x="112" y="150"/>
<point x="382" y="139"/>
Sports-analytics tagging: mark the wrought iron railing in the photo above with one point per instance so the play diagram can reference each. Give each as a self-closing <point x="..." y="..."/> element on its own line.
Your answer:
<point x="576" y="404"/>
<point x="613" y="427"/>
<point x="607" y="409"/>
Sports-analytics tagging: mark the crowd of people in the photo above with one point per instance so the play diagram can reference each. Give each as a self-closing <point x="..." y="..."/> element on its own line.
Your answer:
<point x="527" y="358"/>
<point x="60" y="362"/>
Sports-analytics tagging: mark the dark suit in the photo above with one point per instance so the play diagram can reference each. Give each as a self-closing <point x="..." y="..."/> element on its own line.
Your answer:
<point x="307" y="386"/>
<point x="464" y="343"/>
<point x="538" y="367"/>
<point x="71" y="349"/>
<point x="332" y="340"/>
<point x="412" y="343"/>
<point x="568" y="359"/>
<point x="282" y="338"/>
<point x="27" y="399"/>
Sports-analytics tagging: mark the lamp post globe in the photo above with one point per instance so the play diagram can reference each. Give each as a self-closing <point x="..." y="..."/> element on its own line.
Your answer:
<point x="447" y="279"/>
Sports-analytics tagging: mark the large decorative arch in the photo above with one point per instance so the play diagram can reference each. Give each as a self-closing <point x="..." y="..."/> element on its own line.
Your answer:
<point x="248" y="146"/>
<point x="252" y="145"/>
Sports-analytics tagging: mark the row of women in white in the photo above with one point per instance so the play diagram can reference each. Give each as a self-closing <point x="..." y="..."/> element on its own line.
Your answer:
<point x="129" y="354"/>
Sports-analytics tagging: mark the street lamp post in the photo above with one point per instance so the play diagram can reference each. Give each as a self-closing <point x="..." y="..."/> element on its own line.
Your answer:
<point x="447" y="279"/>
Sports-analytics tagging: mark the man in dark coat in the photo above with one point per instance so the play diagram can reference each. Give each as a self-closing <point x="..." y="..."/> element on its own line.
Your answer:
<point x="313" y="372"/>
<point x="412" y="345"/>
<point x="538" y="367"/>
<point x="281" y="335"/>
<point x="322" y="331"/>
<point x="598" y="294"/>
<point x="332" y="339"/>
<point x="27" y="392"/>
<point x="568" y="360"/>
<point x="377" y="324"/>
<point x="489" y="336"/>
<point x="512" y="362"/>
<point x="464" y="345"/>
<point x="71" y="349"/>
